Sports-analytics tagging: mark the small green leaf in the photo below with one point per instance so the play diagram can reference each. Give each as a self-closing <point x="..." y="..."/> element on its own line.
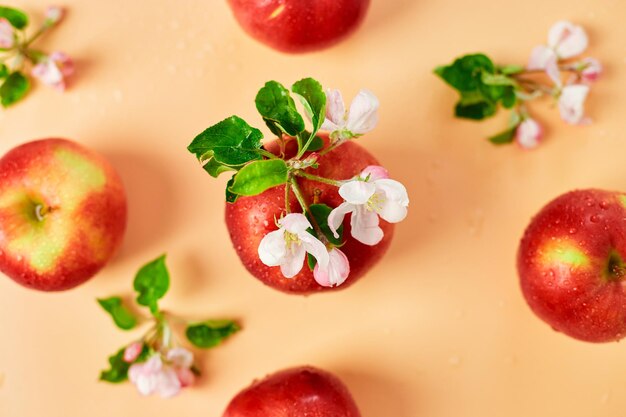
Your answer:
<point x="474" y="105"/>
<point x="278" y="109"/>
<point x="465" y="73"/>
<point x="320" y="213"/>
<point x="504" y="137"/>
<point x="497" y="79"/>
<point x="231" y="197"/>
<point x="122" y="317"/>
<point x="313" y="98"/>
<point x="509" y="98"/>
<point x="511" y="69"/>
<point x="231" y="142"/>
<point x="17" y="18"/>
<point x="214" y="168"/>
<point x="152" y="282"/>
<point x="211" y="333"/>
<point x="4" y="71"/>
<point x="258" y="176"/>
<point x="311" y="261"/>
<point x="13" y="89"/>
<point x="118" y="371"/>
<point x="316" y="144"/>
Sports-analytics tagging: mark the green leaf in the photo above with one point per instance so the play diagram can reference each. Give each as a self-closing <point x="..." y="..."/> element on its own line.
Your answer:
<point x="509" y="98"/>
<point x="504" y="137"/>
<point x="511" y="69"/>
<point x="497" y="79"/>
<point x="313" y="98"/>
<point x="118" y="371"/>
<point x="278" y="109"/>
<point x="316" y="144"/>
<point x="320" y="213"/>
<point x="231" y="142"/>
<point x="215" y="168"/>
<point x="17" y="18"/>
<point x="4" y="71"/>
<point x="231" y="197"/>
<point x="474" y="105"/>
<point x="152" y="282"/>
<point x="465" y="73"/>
<point x="13" y="89"/>
<point x="122" y="317"/>
<point x="258" y="176"/>
<point x="311" y="261"/>
<point x="211" y="333"/>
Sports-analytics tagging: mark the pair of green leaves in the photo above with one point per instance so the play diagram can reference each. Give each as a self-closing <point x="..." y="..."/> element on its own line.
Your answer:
<point x="481" y="85"/>
<point x="15" y="84"/>
<point x="233" y="145"/>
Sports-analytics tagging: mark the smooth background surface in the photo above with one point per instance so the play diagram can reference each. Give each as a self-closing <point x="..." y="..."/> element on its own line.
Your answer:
<point x="438" y="329"/>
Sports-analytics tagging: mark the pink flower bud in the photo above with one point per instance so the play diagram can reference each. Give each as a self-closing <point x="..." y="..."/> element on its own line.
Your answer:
<point x="132" y="352"/>
<point x="54" y="14"/>
<point x="374" y="172"/>
<point x="53" y="70"/>
<point x="528" y="134"/>
<point x="7" y="36"/>
<point x="185" y="377"/>
<point x="592" y="69"/>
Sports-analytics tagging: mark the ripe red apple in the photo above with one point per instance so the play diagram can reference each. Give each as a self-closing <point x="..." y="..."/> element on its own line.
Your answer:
<point x="572" y="265"/>
<point x="62" y="214"/>
<point x="297" y="392"/>
<point x="299" y="25"/>
<point x="249" y="219"/>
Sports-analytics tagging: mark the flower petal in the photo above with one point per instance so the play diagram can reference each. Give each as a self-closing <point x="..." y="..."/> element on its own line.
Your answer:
<point x="336" y="272"/>
<point x="539" y="57"/>
<point x="273" y="248"/>
<point x="552" y="69"/>
<point x="64" y="63"/>
<point x="132" y="352"/>
<point x="295" y="223"/>
<point x="7" y="36"/>
<point x="335" y="218"/>
<point x="567" y="39"/>
<point x="185" y="377"/>
<point x="593" y="69"/>
<point x="363" y="115"/>
<point x="394" y="206"/>
<point x="357" y="191"/>
<point x="528" y="134"/>
<point x="571" y="103"/>
<point x="168" y="384"/>
<point x="364" y="225"/>
<point x="374" y="172"/>
<point x="294" y="260"/>
<point x="316" y="248"/>
<point x="180" y="357"/>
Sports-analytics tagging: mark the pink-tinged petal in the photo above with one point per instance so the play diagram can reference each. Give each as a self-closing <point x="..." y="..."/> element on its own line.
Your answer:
<point x="592" y="69"/>
<point x="154" y="364"/>
<point x="132" y="351"/>
<point x="552" y="69"/>
<point x="337" y="271"/>
<point x="145" y="375"/>
<point x="363" y="114"/>
<point x="273" y="249"/>
<point x="357" y="191"/>
<point x="364" y="225"/>
<point x="294" y="260"/>
<point x="567" y="39"/>
<point x="539" y="57"/>
<point x="316" y="248"/>
<point x="336" y="216"/>
<point x="180" y="357"/>
<point x="168" y="384"/>
<point x="571" y="103"/>
<point x="295" y="223"/>
<point x="64" y="63"/>
<point x="528" y="134"/>
<point x="395" y="202"/>
<point x="54" y="14"/>
<point x="335" y="111"/>
<point x="374" y="172"/>
<point x="7" y="36"/>
<point x="48" y="73"/>
<point x="185" y="376"/>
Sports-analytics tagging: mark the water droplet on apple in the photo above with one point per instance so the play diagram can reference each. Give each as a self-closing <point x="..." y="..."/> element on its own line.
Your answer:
<point x="594" y="219"/>
<point x="604" y="205"/>
<point x="573" y="231"/>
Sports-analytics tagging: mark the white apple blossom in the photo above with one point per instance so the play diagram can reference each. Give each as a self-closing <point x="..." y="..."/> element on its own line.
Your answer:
<point x="528" y="134"/>
<point x="54" y="69"/>
<point x="7" y="36"/>
<point x="591" y="69"/>
<point x="287" y="247"/>
<point x="163" y="378"/>
<point x="360" y="119"/>
<point x="571" y="103"/>
<point x="336" y="272"/>
<point x="368" y="196"/>
<point x="54" y="14"/>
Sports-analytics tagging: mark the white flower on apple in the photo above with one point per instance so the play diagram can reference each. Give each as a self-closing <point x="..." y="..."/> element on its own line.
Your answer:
<point x="54" y="69"/>
<point x="7" y="36"/>
<point x="336" y="272"/>
<point x="360" y="119"/>
<point x="287" y="247"/>
<point x="164" y="378"/>
<point x="528" y="133"/>
<point x="571" y="103"/>
<point x="368" y="196"/>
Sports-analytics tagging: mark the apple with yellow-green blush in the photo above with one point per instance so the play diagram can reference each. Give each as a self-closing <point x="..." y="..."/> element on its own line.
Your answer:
<point x="572" y="265"/>
<point x="62" y="214"/>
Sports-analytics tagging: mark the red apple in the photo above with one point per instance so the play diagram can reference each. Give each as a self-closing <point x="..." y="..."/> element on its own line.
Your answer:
<point x="251" y="218"/>
<point x="572" y="267"/>
<point x="62" y="214"/>
<point x="296" y="392"/>
<point x="299" y="25"/>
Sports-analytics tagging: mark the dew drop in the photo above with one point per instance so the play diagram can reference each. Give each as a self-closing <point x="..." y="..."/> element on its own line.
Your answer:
<point x="573" y="231"/>
<point x="594" y="219"/>
<point x="604" y="205"/>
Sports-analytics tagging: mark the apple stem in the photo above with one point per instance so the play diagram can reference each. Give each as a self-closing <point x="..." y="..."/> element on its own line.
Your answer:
<point x="319" y="179"/>
<point x="40" y="212"/>
<point x="305" y="207"/>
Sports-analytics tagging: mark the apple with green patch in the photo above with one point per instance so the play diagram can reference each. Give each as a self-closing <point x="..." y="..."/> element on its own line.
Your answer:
<point x="572" y="265"/>
<point x="62" y="214"/>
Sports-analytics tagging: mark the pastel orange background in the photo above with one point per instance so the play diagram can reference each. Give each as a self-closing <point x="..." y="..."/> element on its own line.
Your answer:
<point x="438" y="329"/>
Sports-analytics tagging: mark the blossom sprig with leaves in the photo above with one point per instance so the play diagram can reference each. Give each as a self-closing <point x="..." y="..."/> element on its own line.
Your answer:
<point x="311" y="231"/>
<point x="156" y="362"/>
<point x="17" y="53"/>
<point x="553" y="70"/>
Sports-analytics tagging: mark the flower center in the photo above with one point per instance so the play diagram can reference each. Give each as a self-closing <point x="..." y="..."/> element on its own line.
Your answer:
<point x="375" y="203"/>
<point x="292" y="239"/>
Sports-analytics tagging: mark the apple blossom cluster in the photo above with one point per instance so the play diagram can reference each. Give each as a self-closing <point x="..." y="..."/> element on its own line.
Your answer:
<point x="16" y="52"/>
<point x="553" y="70"/>
<point x="314" y="232"/>
<point x="155" y="363"/>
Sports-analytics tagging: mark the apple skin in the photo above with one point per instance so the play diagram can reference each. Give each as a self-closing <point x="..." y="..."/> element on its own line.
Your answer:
<point x="571" y="265"/>
<point x="249" y="219"/>
<point x="296" y="392"/>
<point x="297" y="26"/>
<point x="83" y="214"/>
